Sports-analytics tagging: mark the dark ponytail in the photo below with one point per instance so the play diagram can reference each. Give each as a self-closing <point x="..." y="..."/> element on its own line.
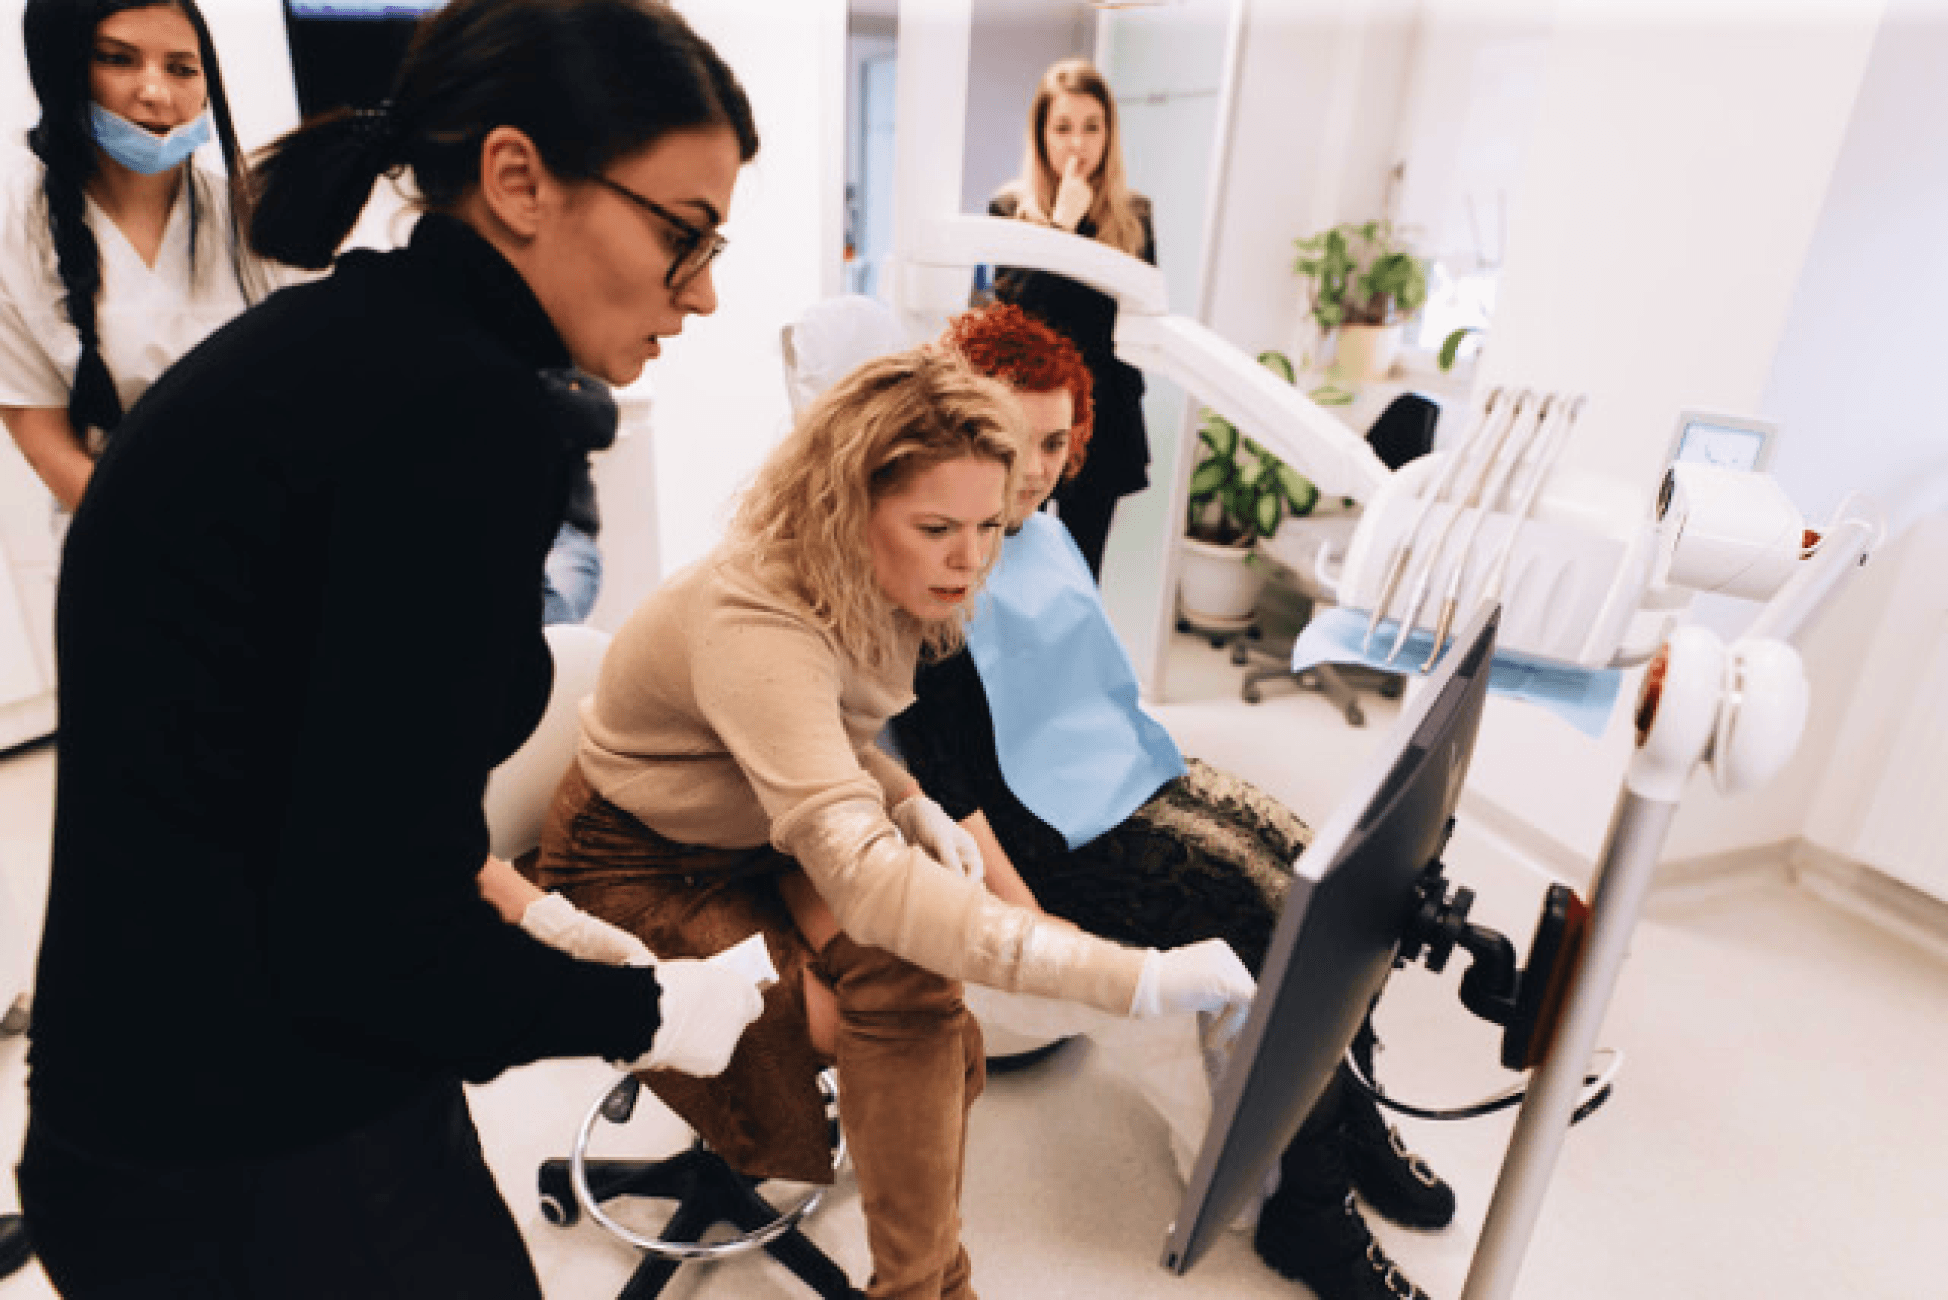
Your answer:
<point x="312" y="184"/>
<point x="587" y="80"/>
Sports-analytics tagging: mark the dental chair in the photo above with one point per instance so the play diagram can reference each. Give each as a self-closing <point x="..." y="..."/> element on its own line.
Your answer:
<point x="1292" y="558"/>
<point x="705" y="1190"/>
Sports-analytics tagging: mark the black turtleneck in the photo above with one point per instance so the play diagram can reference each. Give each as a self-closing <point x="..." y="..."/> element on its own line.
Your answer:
<point x="299" y="623"/>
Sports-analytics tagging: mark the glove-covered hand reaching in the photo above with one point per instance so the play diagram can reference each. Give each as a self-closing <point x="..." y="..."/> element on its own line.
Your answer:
<point x="926" y="825"/>
<point x="560" y="924"/>
<point x="706" y="1006"/>
<point x="1204" y="976"/>
<point x="1072" y="197"/>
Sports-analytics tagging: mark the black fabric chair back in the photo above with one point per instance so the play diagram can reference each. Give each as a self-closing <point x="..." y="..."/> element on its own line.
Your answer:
<point x="1405" y="430"/>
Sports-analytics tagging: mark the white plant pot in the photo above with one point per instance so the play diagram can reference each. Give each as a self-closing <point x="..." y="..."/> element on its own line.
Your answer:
<point x="1215" y="586"/>
<point x="1368" y="351"/>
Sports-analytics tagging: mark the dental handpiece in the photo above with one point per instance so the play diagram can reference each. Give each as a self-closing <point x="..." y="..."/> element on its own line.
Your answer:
<point x="1501" y="471"/>
<point x="1418" y="596"/>
<point x="1545" y="460"/>
<point x="1403" y="550"/>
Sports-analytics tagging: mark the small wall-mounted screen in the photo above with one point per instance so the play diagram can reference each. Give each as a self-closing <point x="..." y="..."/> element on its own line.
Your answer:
<point x="1727" y="441"/>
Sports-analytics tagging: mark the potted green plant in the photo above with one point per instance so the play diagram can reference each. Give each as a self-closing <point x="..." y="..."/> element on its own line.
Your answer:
<point x="1364" y="283"/>
<point x="1238" y="493"/>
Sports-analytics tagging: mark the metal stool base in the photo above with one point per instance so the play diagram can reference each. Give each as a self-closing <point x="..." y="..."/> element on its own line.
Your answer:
<point x="707" y="1192"/>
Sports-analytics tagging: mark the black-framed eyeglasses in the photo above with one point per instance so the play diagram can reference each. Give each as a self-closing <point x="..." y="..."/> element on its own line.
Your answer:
<point x="695" y="247"/>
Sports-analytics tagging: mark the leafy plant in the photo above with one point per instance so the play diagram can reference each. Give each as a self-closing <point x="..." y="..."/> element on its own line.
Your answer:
<point x="1361" y="274"/>
<point x="1239" y="491"/>
<point x="1451" y="345"/>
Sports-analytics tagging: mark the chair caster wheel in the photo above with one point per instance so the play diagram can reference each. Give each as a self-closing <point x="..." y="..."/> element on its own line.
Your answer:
<point x="557" y="1196"/>
<point x="1355" y="716"/>
<point x="1240" y="653"/>
<point x="1252" y="695"/>
<point x="1393" y="688"/>
<point x="1183" y="625"/>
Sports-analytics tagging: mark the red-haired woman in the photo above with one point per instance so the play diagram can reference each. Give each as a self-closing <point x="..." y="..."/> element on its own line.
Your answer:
<point x="1032" y="737"/>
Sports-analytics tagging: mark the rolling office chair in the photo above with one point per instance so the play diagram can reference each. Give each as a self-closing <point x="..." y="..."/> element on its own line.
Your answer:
<point x="706" y="1191"/>
<point x="1403" y="432"/>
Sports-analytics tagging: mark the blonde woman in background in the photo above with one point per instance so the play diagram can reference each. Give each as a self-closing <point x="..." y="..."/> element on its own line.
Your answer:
<point x="1072" y="178"/>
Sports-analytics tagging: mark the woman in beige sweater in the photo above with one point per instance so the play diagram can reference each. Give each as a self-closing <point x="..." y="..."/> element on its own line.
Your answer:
<point x="728" y="783"/>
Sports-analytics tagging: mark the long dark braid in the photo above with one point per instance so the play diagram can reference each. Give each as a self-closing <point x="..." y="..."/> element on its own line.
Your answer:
<point x="92" y="401"/>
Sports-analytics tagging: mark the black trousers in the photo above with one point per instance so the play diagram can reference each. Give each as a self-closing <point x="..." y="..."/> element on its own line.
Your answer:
<point x="1087" y="511"/>
<point x="403" y="1208"/>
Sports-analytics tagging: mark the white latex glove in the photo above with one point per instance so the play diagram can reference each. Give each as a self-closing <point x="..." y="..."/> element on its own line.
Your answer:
<point x="1204" y="976"/>
<point x="1072" y="197"/>
<point x="560" y="924"/>
<point x="706" y="1006"/>
<point x="925" y="824"/>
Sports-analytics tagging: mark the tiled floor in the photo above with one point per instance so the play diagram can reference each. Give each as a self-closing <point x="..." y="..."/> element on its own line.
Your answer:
<point x="1775" y="1132"/>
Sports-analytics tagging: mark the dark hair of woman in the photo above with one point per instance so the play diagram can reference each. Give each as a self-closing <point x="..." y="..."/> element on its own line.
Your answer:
<point x="60" y="41"/>
<point x="587" y="80"/>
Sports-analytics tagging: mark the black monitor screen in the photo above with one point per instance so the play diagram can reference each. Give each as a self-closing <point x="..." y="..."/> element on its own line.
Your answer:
<point x="1353" y="893"/>
<point x="345" y="53"/>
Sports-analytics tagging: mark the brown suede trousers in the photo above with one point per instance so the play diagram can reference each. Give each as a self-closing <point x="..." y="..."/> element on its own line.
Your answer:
<point x="909" y="1056"/>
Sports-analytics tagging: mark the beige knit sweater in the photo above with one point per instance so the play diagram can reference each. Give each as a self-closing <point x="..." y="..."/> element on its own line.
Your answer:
<point x="727" y="716"/>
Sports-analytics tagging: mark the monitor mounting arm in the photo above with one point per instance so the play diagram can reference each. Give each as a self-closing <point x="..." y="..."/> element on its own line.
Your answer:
<point x="1525" y="1001"/>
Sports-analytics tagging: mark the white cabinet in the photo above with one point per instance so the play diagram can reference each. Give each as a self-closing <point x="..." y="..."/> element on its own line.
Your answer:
<point x="27" y="567"/>
<point x="1880" y="800"/>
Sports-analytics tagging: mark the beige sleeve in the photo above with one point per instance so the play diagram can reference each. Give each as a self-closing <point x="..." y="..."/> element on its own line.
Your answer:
<point x="769" y="687"/>
<point x="895" y="780"/>
<point x="889" y="895"/>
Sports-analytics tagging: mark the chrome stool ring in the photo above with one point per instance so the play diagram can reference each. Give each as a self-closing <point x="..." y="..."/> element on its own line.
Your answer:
<point x="787" y="1218"/>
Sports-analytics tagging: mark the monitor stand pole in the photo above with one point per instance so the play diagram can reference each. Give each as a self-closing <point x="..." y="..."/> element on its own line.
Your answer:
<point x="1630" y="858"/>
<point x="1677" y="720"/>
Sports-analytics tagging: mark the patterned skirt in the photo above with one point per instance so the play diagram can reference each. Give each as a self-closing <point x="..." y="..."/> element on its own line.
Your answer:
<point x="1209" y="856"/>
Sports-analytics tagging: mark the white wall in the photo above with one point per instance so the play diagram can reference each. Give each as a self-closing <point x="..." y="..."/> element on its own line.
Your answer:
<point x="717" y="394"/>
<point x="1671" y="192"/>
<point x="1010" y="45"/>
<point x="1321" y="93"/>
<point x="1854" y="385"/>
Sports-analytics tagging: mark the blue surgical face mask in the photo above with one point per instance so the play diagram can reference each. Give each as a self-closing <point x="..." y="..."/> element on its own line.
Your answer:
<point x="144" y="151"/>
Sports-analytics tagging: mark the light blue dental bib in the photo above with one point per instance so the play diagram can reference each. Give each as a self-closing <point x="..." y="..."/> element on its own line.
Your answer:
<point x="1076" y="746"/>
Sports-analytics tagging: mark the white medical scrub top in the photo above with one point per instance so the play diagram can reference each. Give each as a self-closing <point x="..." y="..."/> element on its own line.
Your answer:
<point x="147" y="316"/>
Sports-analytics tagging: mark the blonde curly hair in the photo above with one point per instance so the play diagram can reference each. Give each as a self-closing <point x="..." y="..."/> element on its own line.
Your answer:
<point x="803" y="520"/>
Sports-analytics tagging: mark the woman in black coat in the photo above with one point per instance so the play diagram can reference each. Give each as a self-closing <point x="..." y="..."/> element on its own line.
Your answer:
<point x="1072" y="178"/>
<point x="276" y="942"/>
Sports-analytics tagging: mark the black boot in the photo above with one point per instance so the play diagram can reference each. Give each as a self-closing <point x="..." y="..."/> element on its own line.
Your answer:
<point x="1311" y="1231"/>
<point x="15" y="1248"/>
<point x="1393" y="1180"/>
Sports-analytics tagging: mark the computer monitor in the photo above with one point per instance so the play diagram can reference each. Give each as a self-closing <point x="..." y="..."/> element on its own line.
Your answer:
<point x="345" y="53"/>
<point x="1353" y="893"/>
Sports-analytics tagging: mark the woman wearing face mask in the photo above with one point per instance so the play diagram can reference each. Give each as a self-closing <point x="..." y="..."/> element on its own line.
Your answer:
<point x="1032" y="737"/>
<point x="120" y="253"/>
<point x="276" y="943"/>
<point x="1072" y="178"/>
<point x="727" y="784"/>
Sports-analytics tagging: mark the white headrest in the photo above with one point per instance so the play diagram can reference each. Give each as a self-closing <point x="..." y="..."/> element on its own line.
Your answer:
<point x="834" y="337"/>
